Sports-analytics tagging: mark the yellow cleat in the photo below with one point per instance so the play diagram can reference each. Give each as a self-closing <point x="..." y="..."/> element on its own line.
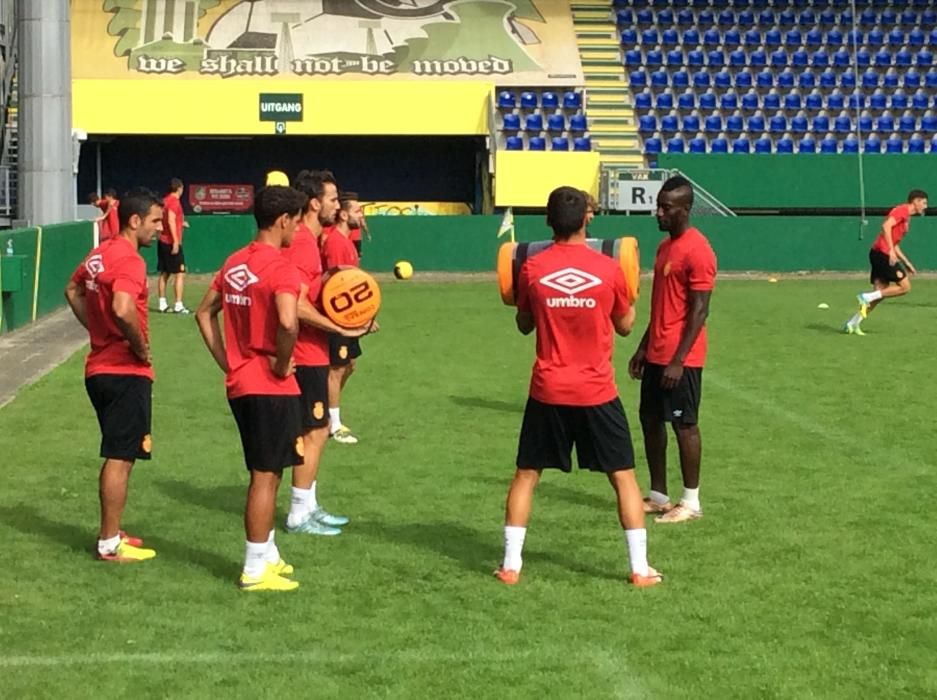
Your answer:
<point x="863" y="306"/>
<point x="126" y="553"/>
<point x="281" y="568"/>
<point x="269" y="581"/>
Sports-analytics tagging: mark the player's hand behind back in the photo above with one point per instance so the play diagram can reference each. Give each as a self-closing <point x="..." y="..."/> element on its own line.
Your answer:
<point x="280" y="370"/>
<point x="636" y="364"/>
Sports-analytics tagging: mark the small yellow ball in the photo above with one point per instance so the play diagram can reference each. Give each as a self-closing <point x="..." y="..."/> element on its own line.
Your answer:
<point x="403" y="270"/>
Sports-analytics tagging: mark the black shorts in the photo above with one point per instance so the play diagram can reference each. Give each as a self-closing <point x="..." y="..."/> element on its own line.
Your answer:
<point x="678" y="405"/>
<point x="882" y="271"/>
<point x="600" y="434"/>
<point x="271" y="431"/>
<point x="343" y="350"/>
<point x="358" y="246"/>
<point x="167" y="262"/>
<point x="124" y="404"/>
<point x="314" y="396"/>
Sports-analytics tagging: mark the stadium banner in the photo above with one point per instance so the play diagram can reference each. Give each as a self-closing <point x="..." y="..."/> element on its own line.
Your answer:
<point x="231" y="199"/>
<point x="509" y="42"/>
<point x="416" y="208"/>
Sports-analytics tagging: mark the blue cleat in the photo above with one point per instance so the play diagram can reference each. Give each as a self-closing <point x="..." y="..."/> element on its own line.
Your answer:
<point x="323" y="517"/>
<point x="310" y="526"/>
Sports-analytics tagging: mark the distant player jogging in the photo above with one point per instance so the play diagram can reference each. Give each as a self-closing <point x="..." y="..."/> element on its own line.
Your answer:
<point x="891" y="269"/>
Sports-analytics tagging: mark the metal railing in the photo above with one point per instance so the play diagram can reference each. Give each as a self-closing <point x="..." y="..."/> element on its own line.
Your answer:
<point x="7" y="191"/>
<point x="633" y="190"/>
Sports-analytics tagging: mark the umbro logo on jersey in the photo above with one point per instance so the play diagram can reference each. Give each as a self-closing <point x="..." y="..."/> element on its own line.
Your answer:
<point x="94" y="265"/>
<point x="571" y="281"/>
<point x="240" y="277"/>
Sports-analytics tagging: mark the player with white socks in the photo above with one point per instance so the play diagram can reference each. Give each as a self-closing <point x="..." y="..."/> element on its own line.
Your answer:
<point x="573" y="397"/>
<point x="890" y="266"/>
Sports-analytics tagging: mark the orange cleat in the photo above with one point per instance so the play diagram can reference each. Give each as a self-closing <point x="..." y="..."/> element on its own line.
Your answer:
<point x="508" y="576"/>
<point x="130" y="539"/>
<point x="653" y="578"/>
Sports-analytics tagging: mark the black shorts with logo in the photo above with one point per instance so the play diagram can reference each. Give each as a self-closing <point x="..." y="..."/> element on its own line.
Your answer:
<point x="678" y="405"/>
<point x="167" y="262"/>
<point x="600" y="434"/>
<point x="124" y="404"/>
<point x="343" y="350"/>
<point x="314" y="396"/>
<point x="882" y="270"/>
<point x="271" y="431"/>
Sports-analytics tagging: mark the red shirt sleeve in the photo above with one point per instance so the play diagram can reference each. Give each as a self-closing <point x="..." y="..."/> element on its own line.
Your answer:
<point x="287" y="280"/>
<point x="701" y="271"/>
<point x="522" y="293"/>
<point x="900" y="214"/>
<point x="130" y="276"/>
<point x="79" y="274"/>
<point x="217" y="284"/>
<point x="621" y="305"/>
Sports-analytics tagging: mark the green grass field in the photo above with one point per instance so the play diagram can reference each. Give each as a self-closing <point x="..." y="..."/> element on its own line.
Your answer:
<point x="810" y="576"/>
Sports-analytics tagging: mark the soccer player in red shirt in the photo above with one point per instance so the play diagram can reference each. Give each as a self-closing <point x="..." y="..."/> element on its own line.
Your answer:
<point x="339" y="250"/>
<point x="257" y="290"/>
<point x="108" y="295"/>
<point x="171" y="259"/>
<point x="669" y="360"/>
<point x="108" y="224"/>
<point x="312" y="354"/>
<point x="890" y="266"/>
<point x="576" y="299"/>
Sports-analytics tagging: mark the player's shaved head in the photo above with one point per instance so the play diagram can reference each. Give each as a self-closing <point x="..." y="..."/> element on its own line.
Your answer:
<point x="681" y="190"/>
<point x="674" y="202"/>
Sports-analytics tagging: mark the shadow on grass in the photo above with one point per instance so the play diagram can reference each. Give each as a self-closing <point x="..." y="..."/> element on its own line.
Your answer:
<point x="227" y="499"/>
<point x="825" y="328"/>
<point x="489" y="404"/>
<point x="557" y="490"/>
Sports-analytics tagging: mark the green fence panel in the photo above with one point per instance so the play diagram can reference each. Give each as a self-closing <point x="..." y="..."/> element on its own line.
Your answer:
<point x="760" y="181"/>
<point x="64" y="246"/>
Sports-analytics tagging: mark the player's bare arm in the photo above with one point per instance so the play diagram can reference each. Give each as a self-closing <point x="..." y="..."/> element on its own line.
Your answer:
<point x="75" y="295"/>
<point x="904" y="258"/>
<point x="525" y="322"/>
<point x="174" y="232"/>
<point x="637" y="361"/>
<point x="207" y="318"/>
<point x="886" y="231"/>
<point x="125" y="315"/>
<point x="696" y="319"/>
<point x="310" y="316"/>
<point x="287" y="330"/>
<point x="624" y="324"/>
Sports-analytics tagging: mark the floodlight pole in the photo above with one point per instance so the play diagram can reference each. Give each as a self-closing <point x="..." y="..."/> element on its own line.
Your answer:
<point x="45" y="191"/>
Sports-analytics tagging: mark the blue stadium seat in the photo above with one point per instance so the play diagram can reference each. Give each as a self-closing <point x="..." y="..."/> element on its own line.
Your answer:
<point x="691" y="124"/>
<point x="896" y="38"/>
<point x="669" y="38"/>
<point x="652" y="145"/>
<point x="664" y="102"/>
<point x="707" y="101"/>
<point x="746" y="19"/>
<point x="787" y="18"/>
<point x="712" y="38"/>
<point x="512" y="122"/>
<point x="875" y="38"/>
<point x="722" y="80"/>
<point x="792" y="102"/>
<point x="933" y="145"/>
<point x="771" y="101"/>
<point x="506" y="100"/>
<point x="807" y="80"/>
<point x="888" y="17"/>
<point x="534" y="122"/>
<point x="814" y="39"/>
<point x="729" y="102"/>
<point x="785" y="79"/>
<point x="766" y="18"/>
<point x="731" y="39"/>
<point x="701" y="79"/>
<point x="705" y="18"/>
<point x="807" y="145"/>
<point x="827" y="18"/>
<point x="644" y="17"/>
<point x="814" y="102"/>
<point x="865" y="123"/>
<point x="885" y="124"/>
<point x="536" y="143"/>
<point x="899" y="101"/>
<point x="820" y="59"/>
<point x="687" y="101"/>
<point x="829" y="145"/>
<point x="841" y="58"/>
<point x="633" y="58"/>
<point x="675" y="145"/>
<point x="680" y="79"/>
<point x="726" y="19"/>
<point x="835" y="101"/>
<point x="744" y="79"/>
<point x="850" y="144"/>
<point x="894" y="144"/>
<point x="929" y="124"/>
<point x="854" y="37"/>
<point x="559" y="143"/>
<point x="834" y="37"/>
<point x="878" y="102"/>
<point x="925" y="58"/>
<point x="713" y="123"/>
<point x="785" y="144"/>
<point x="765" y="79"/>
<point x="856" y="100"/>
<point x="821" y="123"/>
<point x="572" y="100"/>
<point x="643" y="101"/>
<point x="847" y="80"/>
<point x="868" y="18"/>
<point x="873" y="144"/>
<point x="915" y="144"/>
<point x="647" y="124"/>
<point x="695" y="58"/>
<point x="738" y="58"/>
<point x="685" y="18"/>
<point x="870" y="79"/>
<point x="665" y="17"/>
<point x="903" y="58"/>
<point x="890" y="79"/>
<point x="778" y="123"/>
<point x="578" y="124"/>
<point x="514" y="143"/>
<point x="734" y="124"/>
<point x="772" y="38"/>
<point x="719" y="145"/>
<point x="799" y="124"/>
<point x="741" y="145"/>
<point x="668" y="124"/>
<point x="793" y="39"/>
<point x="556" y="123"/>
<point x="691" y="38"/>
<point x="800" y="58"/>
<point x="529" y="100"/>
<point x="807" y="19"/>
<point x="752" y="38"/>
<point x="756" y="123"/>
<point x="842" y="124"/>
<point x="628" y="38"/>
<point x="716" y="59"/>
<point x="883" y="58"/>
<point x="758" y="58"/>
<point x="582" y="143"/>
<point x="916" y="36"/>
<point x="920" y="101"/>
<point x="697" y="145"/>
<point x="750" y="101"/>
<point x="763" y="144"/>
<point x="654" y="58"/>
<point x="549" y="100"/>
<point x="930" y="80"/>
<point x="624" y="17"/>
<point x="907" y="124"/>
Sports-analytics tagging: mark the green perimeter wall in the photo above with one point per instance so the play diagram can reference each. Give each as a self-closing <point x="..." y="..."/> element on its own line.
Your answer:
<point x="469" y="244"/>
<point x="795" y="180"/>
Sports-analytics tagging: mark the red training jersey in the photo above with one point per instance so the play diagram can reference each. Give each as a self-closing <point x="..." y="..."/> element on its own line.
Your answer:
<point x="104" y="225"/>
<point x="902" y="216"/>
<point x="172" y="209"/>
<point x="337" y="249"/>
<point x="113" y="220"/>
<point x="312" y="346"/>
<point x="573" y="293"/>
<point x="355" y="234"/>
<point x="248" y="283"/>
<point x="684" y="264"/>
<point x="114" y="266"/>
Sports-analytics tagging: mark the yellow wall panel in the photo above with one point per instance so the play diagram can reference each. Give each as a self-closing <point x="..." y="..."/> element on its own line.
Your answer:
<point x="526" y="178"/>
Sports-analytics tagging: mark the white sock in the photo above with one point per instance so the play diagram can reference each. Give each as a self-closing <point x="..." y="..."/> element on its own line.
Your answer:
<point x="872" y="296"/>
<point x="312" y="503"/>
<point x="179" y="306"/>
<point x="637" y="550"/>
<point x="299" y="506"/>
<point x="255" y="559"/>
<point x="513" y="546"/>
<point x="335" y="419"/>
<point x="658" y="497"/>
<point x="690" y="498"/>
<point x="855" y="320"/>
<point x="163" y="304"/>
<point x="109" y="546"/>
<point x="273" y="554"/>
